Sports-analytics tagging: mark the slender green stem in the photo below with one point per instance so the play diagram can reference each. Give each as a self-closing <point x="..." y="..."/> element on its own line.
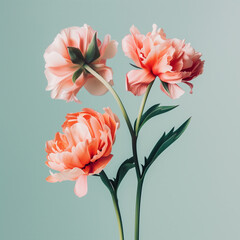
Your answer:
<point x="119" y="218"/>
<point x="137" y="211"/>
<point x="113" y="193"/>
<point x="115" y="95"/>
<point x="142" y="107"/>
<point x="134" y="137"/>
<point x="135" y="156"/>
<point x="139" y="176"/>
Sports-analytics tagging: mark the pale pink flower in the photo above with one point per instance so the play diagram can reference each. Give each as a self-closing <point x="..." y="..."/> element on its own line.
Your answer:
<point x="59" y="68"/>
<point x="171" y="60"/>
<point x="83" y="149"/>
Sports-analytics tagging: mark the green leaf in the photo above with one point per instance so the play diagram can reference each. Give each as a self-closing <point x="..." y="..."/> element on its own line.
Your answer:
<point x="76" y="55"/>
<point x="135" y="66"/>
<point x="122" y="171"/>
<point x="154" y="111"/>
<point x="92" y="51"/>
<point x="77" y="74"/>
<point x="164" y="142"/>
<point x="106" y="180"/>
<point x="165" y="86"/>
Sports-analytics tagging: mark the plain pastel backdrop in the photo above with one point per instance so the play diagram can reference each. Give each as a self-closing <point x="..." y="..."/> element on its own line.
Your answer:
<point x="192" y="192"/>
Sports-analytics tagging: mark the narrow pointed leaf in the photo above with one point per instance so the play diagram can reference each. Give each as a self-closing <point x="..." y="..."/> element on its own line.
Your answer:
<point x="157" y="111"/>
<point x="154" y="111"/>
<point x="156" y="147"/>
<point x="92" y="51"/>
<point x="182" y="128"/>
<point x="151" y="109"/>
<point x="165" y="86"/>
<point x="76" y="55"/>
<point x="135" y="66"/>
<point x="171" y="137"/>
<point x="106" y="180"/>
<point x="77" y="74"/>
<point x="164" y="142"/>
<point x="123" y="169"/>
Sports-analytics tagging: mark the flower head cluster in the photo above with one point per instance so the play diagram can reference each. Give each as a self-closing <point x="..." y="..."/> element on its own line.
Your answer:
<point x="171" y="60"/>
<point x="83" y="149"/>
<point x="61" y="69"/>
<point x="77" y="58"/>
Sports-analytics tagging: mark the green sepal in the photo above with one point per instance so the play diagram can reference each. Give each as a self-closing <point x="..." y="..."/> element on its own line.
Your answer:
<point x="106" y="181"/>
<point x="154" y="111"/>
<point x="77" y="74"/>
<point x="165" y="86"/>
<point x="164" y="142"/>
<point x="135" y="66"/>
<point x="122" y="171"/>
<point x="76" y="55"/>
<point x="92" y="51"/>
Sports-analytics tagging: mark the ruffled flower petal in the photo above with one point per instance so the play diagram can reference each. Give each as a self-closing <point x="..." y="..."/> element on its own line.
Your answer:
<point x="94" y="86"/>
<point x="137" y="81"/>
<point x="81" y="187"/>
<point x="174" y="90"/>
<point x="68" y="174"/>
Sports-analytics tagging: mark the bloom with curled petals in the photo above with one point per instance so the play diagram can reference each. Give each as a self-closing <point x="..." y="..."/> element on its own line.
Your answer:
<point x="83" y="149"/>
<point x="59" y="69"/>
<point x="171" y="60"/>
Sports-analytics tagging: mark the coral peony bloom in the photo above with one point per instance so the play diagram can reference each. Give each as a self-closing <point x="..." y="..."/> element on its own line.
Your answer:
<point x="83" y="149"/>
<point x="59" y="68"/>
<point x="171" y="60"/>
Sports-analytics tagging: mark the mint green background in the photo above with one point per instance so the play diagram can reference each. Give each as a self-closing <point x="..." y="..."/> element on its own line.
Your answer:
<point x="193" y="190"/>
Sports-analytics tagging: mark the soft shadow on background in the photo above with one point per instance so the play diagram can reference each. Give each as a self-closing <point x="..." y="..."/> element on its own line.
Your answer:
<point x="193" y="190"/>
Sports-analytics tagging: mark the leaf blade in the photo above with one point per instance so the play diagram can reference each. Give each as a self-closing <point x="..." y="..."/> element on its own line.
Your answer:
<point x="122" y="171"/>
<point x="164" y="142"/>
<point x="133" y="65"/>
<point x="154" y="111"/>
<point x="75" y="55"/>
<point x="92" y="51"/>
<point x="157" y="111"/>
<point x="106" y="180"/>
<point x="77" y="74"/>
<point x="165" y="86"/>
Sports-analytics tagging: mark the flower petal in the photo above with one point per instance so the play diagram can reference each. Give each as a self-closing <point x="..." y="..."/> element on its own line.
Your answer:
<point x="174" y="89"/>
<point x="130" y="49"/>
<point x="138" y="80"/>
<point x="110" y="50"/>
<point x="157" y="60"/>
<point x="100" y="164"/>
<point x="171" y="77"/>
<point x="190" y="85"/>
<point x="68" y="174"/>
<point x="94" y="86"/>
<point x="81" y="187"/>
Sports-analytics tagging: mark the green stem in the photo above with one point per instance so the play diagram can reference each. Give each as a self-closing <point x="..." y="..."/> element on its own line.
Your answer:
<point x="139" y="176"/>
<point x="142" y="107"/>
<point x="137" y="210"/>
<point x="113" y="193"/>
<point x="119" y="218"/>
<point x="134" y="137"/>
<point x="135" y="156"/>
<point x="115" y="95"/>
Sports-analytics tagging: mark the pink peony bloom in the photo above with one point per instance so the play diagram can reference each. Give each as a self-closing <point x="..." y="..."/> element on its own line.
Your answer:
<point x="59" y="68"/>
<point x="171" y="60"/>
<point x="83" y="149"/>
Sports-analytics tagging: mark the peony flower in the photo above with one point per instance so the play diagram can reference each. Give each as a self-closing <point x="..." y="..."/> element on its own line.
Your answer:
<point x="65" y="76"/>
<point x="171" y="60"/>
<point x="83" y="149"/>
